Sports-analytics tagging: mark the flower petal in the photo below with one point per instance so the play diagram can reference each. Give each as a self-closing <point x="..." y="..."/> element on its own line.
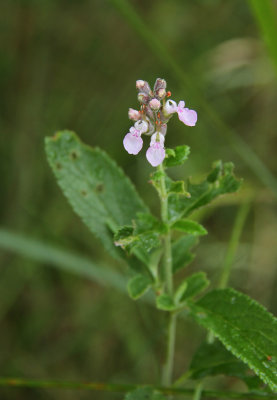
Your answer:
<point x="187" y="116"/>
<point x="141" y="126"/>
<point x="155" y="154"/>
<point x="170" y="107"/>
<point x="154" y="139"/>
<point x="132" y="143"/>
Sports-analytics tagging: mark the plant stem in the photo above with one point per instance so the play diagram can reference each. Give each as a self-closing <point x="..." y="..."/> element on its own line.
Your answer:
<point x="167" y="239"/>
<point x="233" y="244"/>
<point x="123" y="388"/>
<point x="198" y="391"/>
<point x="168" y="277"/>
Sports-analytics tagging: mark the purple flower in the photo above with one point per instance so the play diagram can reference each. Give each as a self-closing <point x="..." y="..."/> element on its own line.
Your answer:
<point x="156" y="152"/>
<point x="132" y="142"/>
<point x="187" y="116"/>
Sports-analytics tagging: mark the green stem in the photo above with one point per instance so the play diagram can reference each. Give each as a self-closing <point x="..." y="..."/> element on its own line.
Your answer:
<point x="168" y="277"/>
<point x="233" y="244"/>
<point x="123" y="388"/>
<point x="198" y="391"/>
<point x="231" y="252"/>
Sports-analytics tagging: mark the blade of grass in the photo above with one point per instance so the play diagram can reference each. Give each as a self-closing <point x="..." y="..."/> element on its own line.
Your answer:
<point x="231" y="251"/>
<point x="65" y="260"/>
<point x="124" y="388"/>
<point x="265" y="15"/>
<point x="152" y="41"/>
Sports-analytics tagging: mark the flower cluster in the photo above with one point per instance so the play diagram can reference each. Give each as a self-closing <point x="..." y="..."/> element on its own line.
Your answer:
<point x="152" y="118"/>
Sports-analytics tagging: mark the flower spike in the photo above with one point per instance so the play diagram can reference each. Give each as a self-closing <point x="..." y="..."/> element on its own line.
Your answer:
<point x="152" y="119"/>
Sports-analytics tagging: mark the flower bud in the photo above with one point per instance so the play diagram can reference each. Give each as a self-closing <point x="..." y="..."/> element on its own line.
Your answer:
<point x="133" y="114"/>
<point x="155" y="104"/>
<point x="159" y="84"/>
<point x="161" y="93"/>
<point x="142" y="98"/>
<point x="143" y="86"/>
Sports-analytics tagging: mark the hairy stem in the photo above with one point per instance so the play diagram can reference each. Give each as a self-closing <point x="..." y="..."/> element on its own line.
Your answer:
<point x="168" y="277"/>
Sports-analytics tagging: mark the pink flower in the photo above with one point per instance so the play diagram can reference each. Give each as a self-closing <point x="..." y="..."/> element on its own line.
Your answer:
<point x="187" y="116"/>
<point x="132" y="142"/>
<point x="155" y="154"/>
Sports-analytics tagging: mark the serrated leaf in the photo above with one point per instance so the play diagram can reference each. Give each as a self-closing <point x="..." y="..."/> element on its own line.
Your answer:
<point x="94" y="185"/>
<point x="181" y="254"/>
<point x="245" y="328"/>
<point x="196" y="283"/>
<point x="220" y="181"/>
<point x="189" y="226"/>
<point x="214" y="359"/>
<point x="138" y="285"/>
<point x="144" y="394"/>
<point x="165" y="302"/>
<point x="176" y="157"/>
<point x="124" y="236"/>
<point x="176" y="187"/>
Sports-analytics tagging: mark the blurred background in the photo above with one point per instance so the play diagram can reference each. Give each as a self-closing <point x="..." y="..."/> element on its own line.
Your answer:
<point x="73" y="64"/>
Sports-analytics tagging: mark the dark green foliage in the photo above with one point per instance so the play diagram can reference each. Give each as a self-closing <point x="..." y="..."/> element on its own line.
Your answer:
<point x="220" y="181"/>
<point x="214" y="359"/>
<point x="190" y="227"/>
<point x="245" y="328"/>
<point x="138" y="285"/>
<point x="181" y="254"/>
<point x="177" y="156"/>
<point x="94" y="185"/>
<point x="196" y="283"/>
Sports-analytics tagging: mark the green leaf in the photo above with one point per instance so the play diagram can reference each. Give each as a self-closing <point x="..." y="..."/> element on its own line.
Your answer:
<point x="181" y="255"/>
<point x="196" y="283"/>
<point x="189" y="226"/>
<point x="265" y="14"/>
<point x="245" y="328"/>
<point x="214" y="359"/>
<point x="220" y="181"/>
<point x="143" y="236"/>
<point x="177" y="156"/>
<point x="138" y="285"/>
<point x="180" y="291"/>
<point x="165" y="302"/>
<point x="144" y="394"/>
<point x="94" y="185"/>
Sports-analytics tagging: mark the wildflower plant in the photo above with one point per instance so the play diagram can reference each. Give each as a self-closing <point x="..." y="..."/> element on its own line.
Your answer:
<point x="242" y="340"/>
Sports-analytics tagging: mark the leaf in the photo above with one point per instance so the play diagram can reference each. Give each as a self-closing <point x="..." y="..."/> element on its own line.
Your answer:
<point x="176" y="157"/>
<point x="165" y="302"/>
<point x="245" y="328"/>
<point x="138" y="285"/>
<point x="181" y="255"/>
<point x="220" y="181"/>
<point x="180" y="292"/>
<point x="144" y="394"/>
<point x="196" y="283"/>
<point x="144" y="235"/>
<point x="189" y="226"/>
<point x="214" y="359"/>
<point x="265" y="15"/>
<point x="94" y="185"/>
